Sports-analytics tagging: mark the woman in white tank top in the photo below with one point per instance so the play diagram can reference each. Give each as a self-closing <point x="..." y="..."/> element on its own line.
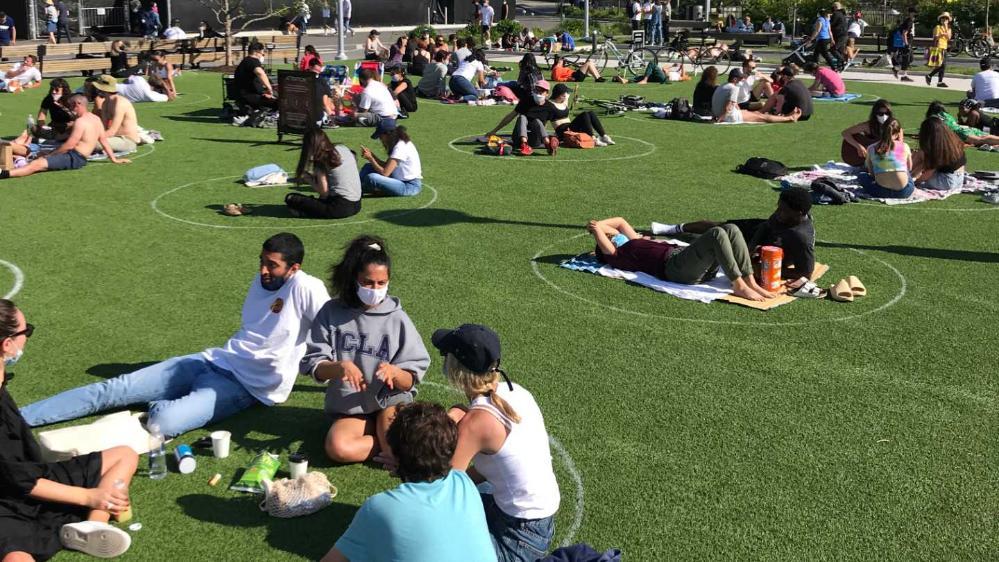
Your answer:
<point x="502" y="435"/>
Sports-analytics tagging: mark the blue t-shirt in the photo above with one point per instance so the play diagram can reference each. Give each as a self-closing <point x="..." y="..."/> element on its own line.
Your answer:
<point x="5" y="30"/>
<point x="436" y="521"/>
<point x="824" y="28"/>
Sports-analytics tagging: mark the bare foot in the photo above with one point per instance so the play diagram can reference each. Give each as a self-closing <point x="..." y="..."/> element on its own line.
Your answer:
<point x="751" y="282"/>
<point x="748" y="294"/>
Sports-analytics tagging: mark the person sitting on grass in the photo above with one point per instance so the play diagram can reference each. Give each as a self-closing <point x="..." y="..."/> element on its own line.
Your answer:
<point x="584" y="122"/>
<point x="531" y="114"/>
<point x="365" y="346"/>
<point x="725" y="105"/>
<point x="85" y="136"/>
<point x="118" y="115"/>
<point x="968" y="135"/>
<point x="789" y="227"/>
<point x="828" y="82"/>
<point x="434" y="514"/>
<point x="373" y="47"/>
<point x="253" y="87"/>
<point x="331" y="170"/>
<point x="376" y="104"/>
<point x="790" y="94"/>
<point x="257" y="365"/>
<point x="403" y="91"/>
<point x="48" y="503"/>
<point x="985" y="84"/>
<point x="432" y="84"/>
<point x="857" y="138"/>
<point x="704" y="91"/>
<point x="54" y="111"/>
<point x="330" y="102"/>
<point x="22" y="75"/>
<point x="940" y="161"/>
<point x="619" y="246"/>
<point x="469" y="76"/>
<point x="502" y="444"/>
<point x="528" y="75"/>
<point x="161" y="67"/>
<point x="754" y="87"/>
<point x="401" y="174"/>
<point x="889" y="165"/>
<point x="563" y="73"/>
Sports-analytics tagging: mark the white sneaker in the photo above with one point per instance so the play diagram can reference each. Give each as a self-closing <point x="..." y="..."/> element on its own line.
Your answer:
<point x="96" y="539"/>
<point x="598" y="142"/>
<point x="607" y="140"/>
<point x="661" y="229"/>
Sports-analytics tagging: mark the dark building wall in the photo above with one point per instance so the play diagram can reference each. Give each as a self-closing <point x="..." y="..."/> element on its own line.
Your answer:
<point x="18" y="9"/>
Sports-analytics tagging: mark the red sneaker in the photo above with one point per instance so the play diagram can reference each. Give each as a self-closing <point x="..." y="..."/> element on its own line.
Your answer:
<point x="551" y="143"/>
<point x="525" y="149"/>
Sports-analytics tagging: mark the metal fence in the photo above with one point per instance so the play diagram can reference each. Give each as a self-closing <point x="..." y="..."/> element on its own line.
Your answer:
<point x="108" y="18"/>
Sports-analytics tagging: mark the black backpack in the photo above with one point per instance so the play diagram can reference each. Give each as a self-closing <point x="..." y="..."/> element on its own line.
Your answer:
<point x="680" y="109"/>
<point x="763" y="168"/>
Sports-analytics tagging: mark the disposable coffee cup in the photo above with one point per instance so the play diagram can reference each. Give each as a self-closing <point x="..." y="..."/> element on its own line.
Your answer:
<point x="220" y="444"/>
<point x="298" y="465"/>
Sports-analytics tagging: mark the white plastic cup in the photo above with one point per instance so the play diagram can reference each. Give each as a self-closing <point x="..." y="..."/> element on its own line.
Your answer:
<point x="298" y="465"/>
<point x="220" y="444"/>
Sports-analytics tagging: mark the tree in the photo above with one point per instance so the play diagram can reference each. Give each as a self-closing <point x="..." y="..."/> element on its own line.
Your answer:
<point x="229" y="12"/>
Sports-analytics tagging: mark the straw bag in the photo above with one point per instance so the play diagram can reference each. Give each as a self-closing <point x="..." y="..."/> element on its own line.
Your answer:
<point x="294" y="498"/>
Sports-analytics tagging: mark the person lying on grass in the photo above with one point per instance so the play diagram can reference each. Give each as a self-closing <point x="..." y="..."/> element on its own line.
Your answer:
<point x="45" y="503"/>
<point x="889" y="165"/>
<point x="561" y="72"/>
<point x="725" y="105"/>
<point x="789" y="227"/>
<point x="619" y="246"/>
<point x="502" y="440"/>
<point x="584" y="122"/>
<point x="257" y="365"/>
<point x="434" y="514"/>
<point x="84" y="138"/>
<point x="401" y="174"/>
<point x="969" y="135"/>
<point x="331" y="170"/>
<point x="531" y="114"/>
<point x="857" y="138"/>
<point x="657" y="75"/>
<point x="365" y="346"/>
<point x="21" y="75"/>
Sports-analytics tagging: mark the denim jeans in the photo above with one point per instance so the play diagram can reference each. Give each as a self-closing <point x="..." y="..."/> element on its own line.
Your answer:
<point x="872" y="188"/>
<point x="461" y="87"/>
<point x="374" y="183"/>
<point x="183" y="393"/>
<point x="515" y="539"/>
<point x="944" y="181"/>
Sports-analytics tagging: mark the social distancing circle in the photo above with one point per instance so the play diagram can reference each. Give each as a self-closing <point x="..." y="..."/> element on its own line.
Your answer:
<point x="886" y="284"/>
<point x="626" y="148"/>
<point x="15" y="280"/>
<point x="201" y="206"/>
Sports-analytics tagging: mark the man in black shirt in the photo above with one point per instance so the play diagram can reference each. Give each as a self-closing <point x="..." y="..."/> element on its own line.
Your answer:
<point x="838" y="26"/>
<point x="250" y="81"/>
<point x="793" y="94"/>
<point x="789" y="227"/>
<point x="531" y="114"/>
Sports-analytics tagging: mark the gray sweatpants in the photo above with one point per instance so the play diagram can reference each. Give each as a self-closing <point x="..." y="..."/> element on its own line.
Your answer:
<point x="532" y="129"/>
<point x="719" y="246"/>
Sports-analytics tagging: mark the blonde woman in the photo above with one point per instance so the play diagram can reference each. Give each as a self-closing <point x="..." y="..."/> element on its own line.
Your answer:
<point x="501" y="433"/>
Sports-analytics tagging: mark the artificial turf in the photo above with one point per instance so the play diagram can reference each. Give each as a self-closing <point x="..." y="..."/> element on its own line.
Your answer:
<point x="698" y="431"/>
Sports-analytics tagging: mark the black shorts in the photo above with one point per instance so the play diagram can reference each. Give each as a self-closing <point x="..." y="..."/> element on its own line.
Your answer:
<point x="578" y="76"/>
<point x="485" y="29"/>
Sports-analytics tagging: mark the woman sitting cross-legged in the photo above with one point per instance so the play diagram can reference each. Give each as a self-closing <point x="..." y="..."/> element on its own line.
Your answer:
<point x="368" y="350"/>
<point x="940" y="162"/>
<point x="45" y="506"/>
<point x="502" y="440"/>
<point x="401" y="174"/>
<point x="331" y="170"/>
<point x="889" y="163"/>
<point x="619" y="246"/>
<point x="585" y="122"/>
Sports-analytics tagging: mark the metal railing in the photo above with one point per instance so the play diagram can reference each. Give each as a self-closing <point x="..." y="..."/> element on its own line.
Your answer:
<point x="108" y="18"/>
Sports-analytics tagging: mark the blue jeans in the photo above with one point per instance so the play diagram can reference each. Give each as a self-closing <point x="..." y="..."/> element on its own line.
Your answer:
<point x="517" y="540"/>
<point x="183" y="393"/>
<point x="375" y="183"/>
<point x="872" y="188"/>
<point x="461" y="87"/>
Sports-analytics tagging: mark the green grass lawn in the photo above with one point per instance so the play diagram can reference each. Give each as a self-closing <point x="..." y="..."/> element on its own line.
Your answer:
<point x="697" y="431"/>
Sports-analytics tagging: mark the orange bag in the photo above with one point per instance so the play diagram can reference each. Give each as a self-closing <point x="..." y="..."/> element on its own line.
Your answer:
<point x="572" y="139"/>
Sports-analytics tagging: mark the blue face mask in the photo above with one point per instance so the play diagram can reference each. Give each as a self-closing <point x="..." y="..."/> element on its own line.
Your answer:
<point x="619" y="240"/>
<point x="10" y="361"/>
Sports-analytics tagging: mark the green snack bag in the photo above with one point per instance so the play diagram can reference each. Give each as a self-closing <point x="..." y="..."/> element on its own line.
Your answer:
<point x="264" y="467"/>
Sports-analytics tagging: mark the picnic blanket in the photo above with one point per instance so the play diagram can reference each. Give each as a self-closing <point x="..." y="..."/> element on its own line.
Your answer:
<point x="718" y="288"/>
<point x="99" y="156"/>
<point x="847" y="97"/>
<point x="845" y="177"/>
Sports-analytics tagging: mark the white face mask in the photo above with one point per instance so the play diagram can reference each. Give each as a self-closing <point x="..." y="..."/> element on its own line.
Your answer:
<point x="372" y="297"/>
<point x="10" y="361"/>
<point x="539" y="99"/>
<point x="882" y="119"/>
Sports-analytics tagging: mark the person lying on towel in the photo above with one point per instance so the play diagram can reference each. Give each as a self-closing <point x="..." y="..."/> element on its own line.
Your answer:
<point x="789" y="227"/>
<point x="619" y="246"/>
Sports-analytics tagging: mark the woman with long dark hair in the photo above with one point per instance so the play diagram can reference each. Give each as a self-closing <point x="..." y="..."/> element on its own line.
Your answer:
<point x="529" y="75"/>
<point x="940" y="160"/>
<point x="401" y="174"/>
<point x="331" y="170"/>
<point x="705" y="90"/>
<point x="857" y="138"/>
<point x="366" y="346"/>
<point x="309" y="54"/>
<point x="584" y="122"/>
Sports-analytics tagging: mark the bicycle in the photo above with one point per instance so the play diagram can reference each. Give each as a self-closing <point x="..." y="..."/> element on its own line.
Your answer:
<point x="633" y="61"/>
<point x="680" y="52"/>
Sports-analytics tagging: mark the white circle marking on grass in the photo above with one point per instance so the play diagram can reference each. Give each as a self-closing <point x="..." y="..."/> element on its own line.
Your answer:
<point x="570" y="467"/>
<point x="18" y="278"/>
<point x="903" y="289"/>
<point x="910" y="206"/>
<point x="651" y="149"/>
<point x="155" y="205"/>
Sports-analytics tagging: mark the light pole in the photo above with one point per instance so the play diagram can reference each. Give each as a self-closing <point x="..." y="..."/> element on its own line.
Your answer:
<point x="586" y="18"/>
<point x="340" y="55"/>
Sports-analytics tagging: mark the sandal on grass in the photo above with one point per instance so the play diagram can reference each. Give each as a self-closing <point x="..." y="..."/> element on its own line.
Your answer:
<point x="809" y="290"/>
<point x="858" y="288"/>
<point x="234" y="210"/>
<point x="841" y="291"/>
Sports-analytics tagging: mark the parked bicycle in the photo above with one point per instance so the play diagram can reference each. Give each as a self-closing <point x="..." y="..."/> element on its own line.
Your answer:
<point x="680" y="51"/>
<point x="978" y="44"/>
<point x="633" y="61"/>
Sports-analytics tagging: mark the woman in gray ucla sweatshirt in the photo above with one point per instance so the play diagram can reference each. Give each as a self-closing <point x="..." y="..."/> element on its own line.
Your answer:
<point x="365" y="346"/>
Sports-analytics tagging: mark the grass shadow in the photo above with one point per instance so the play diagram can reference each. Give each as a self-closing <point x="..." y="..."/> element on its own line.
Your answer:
<point x="935" y="253"/>
<point x="280" y="429"/>
<point x="445" y="217"/>
<point x="254" y="143"/>
<point x="112" y="370"/>
<point x="309" y="537"/>
<point x="554" y="259"/>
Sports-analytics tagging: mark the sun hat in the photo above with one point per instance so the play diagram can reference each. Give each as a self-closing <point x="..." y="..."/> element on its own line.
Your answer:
<point x="106" y="83"/>
<point x="944" y="15"/>
<point x="543" y="84"/>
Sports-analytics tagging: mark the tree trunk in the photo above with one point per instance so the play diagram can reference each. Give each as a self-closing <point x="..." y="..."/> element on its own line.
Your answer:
<point x="228" y="33"/>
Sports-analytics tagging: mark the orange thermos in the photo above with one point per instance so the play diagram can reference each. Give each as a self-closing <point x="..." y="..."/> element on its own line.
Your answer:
<point x="771" y="258"/>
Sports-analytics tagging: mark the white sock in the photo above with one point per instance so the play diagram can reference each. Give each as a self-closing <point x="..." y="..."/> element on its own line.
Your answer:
<point x="661" y="229"/>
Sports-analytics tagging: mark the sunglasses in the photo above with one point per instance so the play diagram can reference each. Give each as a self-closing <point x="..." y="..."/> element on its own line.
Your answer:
<point x="26" y="332"/>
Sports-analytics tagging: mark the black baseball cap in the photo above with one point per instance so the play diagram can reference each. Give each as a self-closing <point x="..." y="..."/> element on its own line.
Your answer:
<point x="473" y="345"/>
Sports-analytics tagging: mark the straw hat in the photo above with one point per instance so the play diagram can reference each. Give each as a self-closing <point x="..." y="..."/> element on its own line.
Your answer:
<point x="944" y="15"/>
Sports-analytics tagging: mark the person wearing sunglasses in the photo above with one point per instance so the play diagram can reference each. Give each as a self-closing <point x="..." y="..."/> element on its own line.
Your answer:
<point x="258" y="365"/>
<point x="45" y="506"/>
<point x="858" y="137"/>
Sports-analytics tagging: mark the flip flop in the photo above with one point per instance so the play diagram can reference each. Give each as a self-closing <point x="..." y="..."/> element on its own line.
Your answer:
<point x="858" y="288"/>
<point x="841" y="292"/>
<point x="809" y="291"/>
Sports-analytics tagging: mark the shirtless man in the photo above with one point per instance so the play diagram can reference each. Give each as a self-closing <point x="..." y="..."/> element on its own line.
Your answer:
<point x="118" y="116"/>
<point x="86" y="134"/>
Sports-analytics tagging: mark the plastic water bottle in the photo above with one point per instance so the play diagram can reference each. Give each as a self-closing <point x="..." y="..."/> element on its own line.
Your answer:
<point x="157" y="454"/>
<point x="124" y="516"/>
<point x="30" y="123"/>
